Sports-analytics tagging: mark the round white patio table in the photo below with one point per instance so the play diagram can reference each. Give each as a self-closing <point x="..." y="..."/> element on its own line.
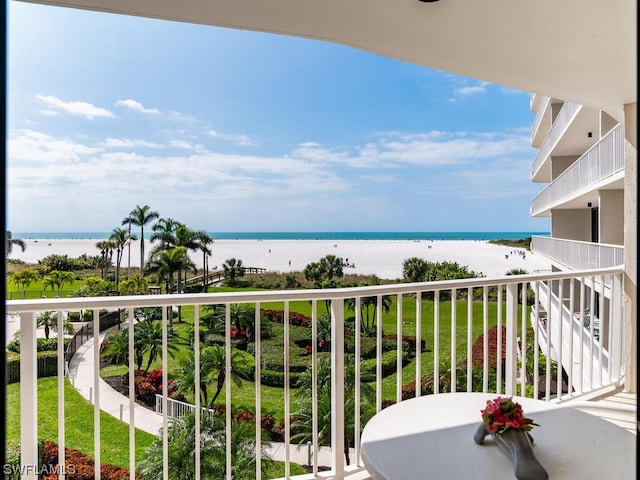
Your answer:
<point x="431" y="437"/>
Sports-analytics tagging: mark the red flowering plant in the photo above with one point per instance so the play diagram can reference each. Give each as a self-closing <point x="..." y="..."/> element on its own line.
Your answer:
<point x="503" y="413"/>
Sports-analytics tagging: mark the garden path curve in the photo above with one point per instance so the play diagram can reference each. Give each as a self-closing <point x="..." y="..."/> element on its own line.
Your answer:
<point x="81" y="368"/>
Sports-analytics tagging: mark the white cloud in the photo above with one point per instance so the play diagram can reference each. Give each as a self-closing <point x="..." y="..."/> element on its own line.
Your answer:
<point x="315" y="152"/>
<point x="136" y="106"/>
<point x="431" y="149"/>
<point x="128" y="143"/>
<point x="181" y="144"/>
<point x="238" y="139"/>
<point x="468" y="91"/>
<point x="83" y="109"/>
<point x="37" y="148"/>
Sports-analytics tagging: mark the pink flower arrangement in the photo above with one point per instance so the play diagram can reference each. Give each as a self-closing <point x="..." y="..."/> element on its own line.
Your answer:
<point x="503" y="413"/>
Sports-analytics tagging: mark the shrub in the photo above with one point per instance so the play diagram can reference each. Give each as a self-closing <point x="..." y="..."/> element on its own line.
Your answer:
<point x="409" y="389"/>
<point x="149" y="384"/>
<point x="47" y="366"/>
<point x="387" y="403"/>
<point x="42" y="344"/>
<point x="267" y="421"/>
<point x="244" y="416"/>
<point x="368" y="346"/>
<point x="79" y="466"/>
<point x="477" y="349"/>
<point x="276" y="379"/>
<point x="277" y="316"/>
<point x="410" y="342"/>
<point x="388" y="364"/>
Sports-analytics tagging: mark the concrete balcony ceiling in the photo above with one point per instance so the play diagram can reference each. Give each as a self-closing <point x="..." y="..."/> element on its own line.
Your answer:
<point x="583" y="51"/>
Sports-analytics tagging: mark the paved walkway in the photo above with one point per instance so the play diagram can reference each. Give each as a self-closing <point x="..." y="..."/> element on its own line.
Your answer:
<point x="81" y="370"/>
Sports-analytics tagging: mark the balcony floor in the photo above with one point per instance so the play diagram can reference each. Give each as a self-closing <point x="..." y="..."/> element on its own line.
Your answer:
<point x="614" y="405"/>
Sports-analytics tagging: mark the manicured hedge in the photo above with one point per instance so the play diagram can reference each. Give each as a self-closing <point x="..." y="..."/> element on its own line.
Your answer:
<point x="276" y="379"/>
<point x="388" y="364"/>
<point x="42" y="344"/>
<point x="410" y="342"/>
<point x="47" y="366"/>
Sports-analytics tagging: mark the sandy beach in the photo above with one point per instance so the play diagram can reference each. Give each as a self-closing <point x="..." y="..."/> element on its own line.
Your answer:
<point x="383" y="258"/>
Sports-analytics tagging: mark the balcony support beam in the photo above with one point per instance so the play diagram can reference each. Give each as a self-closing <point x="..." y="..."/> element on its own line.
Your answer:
<point x="28" y="396"/>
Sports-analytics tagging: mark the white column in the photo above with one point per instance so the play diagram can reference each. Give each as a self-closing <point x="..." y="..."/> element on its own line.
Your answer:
<point x="630" y="247"/>
<point x="28" y="396"/>
<point x="337" y="388"/>
<point x="511" y="325"/>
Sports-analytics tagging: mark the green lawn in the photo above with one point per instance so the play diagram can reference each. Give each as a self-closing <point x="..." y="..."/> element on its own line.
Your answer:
<point x="273" y="398"/>
<point x="114" y="435"/>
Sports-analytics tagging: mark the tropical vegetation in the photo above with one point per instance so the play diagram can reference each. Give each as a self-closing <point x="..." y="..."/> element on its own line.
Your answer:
<point x="169" y="264"/>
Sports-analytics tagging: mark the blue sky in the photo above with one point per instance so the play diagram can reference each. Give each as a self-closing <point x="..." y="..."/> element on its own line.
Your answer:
<point x="228" y="130"/>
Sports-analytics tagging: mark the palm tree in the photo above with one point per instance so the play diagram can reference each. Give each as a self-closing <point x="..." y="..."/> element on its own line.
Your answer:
<point x="232" y="270"/>
<point x="116" y="347"/>
<point x="414" y="269"/>
<point x="212" y="371"/>
<point x="57" y="279"/>
<point x="185" y="379"/>
<point x="148" y="340"/>
<point x="136" y="285"/>
<point x="23" y="278"/>
<point x="49" y="321"/>
<point x="206" y="253"/>
<point x="119" y="238"/>
<point x="141" y="216"/>
<point x="10" y="242"/>
<point x="181" y="436"/>
<point x="331" y="266"/>
<point x="50" y="282"/>
<point x="303" y="423"/>
<point x="167" y="263"/>
<point x="214" y="367"/>
<point x="190" y="239"/>
<point x="313" y="273"/>
<point x="106" y="254"/>
<point x="367" y="316"/>
<point x="164" y="233"/>
<point x="204" y="240"/>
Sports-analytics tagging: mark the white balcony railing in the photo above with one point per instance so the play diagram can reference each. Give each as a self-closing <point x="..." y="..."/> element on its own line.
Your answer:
<point x="565" y="116"/>
<point x="451" y="306"/>
<point x="577" y="255"/>
<point x="542" y="108"/>
<point x="578" y="333"/>
<point x="602" y="161"/>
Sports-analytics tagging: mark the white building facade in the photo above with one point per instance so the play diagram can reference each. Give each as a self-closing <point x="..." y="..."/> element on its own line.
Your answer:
<point x="582" y="159"/>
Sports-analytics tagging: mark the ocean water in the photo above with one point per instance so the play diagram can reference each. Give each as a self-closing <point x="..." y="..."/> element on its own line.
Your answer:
<point x="303" y="235"/>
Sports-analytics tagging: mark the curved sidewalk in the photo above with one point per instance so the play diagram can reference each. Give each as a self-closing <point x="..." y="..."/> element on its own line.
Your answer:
<point x="81" y="369"/>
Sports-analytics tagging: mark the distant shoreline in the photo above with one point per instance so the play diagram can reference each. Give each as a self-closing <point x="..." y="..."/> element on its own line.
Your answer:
<point x="297" y="235"/>
<point x="383" y="258"/>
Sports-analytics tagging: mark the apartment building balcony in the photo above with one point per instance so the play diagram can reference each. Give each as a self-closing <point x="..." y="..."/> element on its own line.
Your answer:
<point x="445" y="331"/>
<point x="600" y="168"/>
<point x="574" y="332"/>
<point x="574" y="130"/>
<point x="576" y="255"/>
<point x="543" y="121"/>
